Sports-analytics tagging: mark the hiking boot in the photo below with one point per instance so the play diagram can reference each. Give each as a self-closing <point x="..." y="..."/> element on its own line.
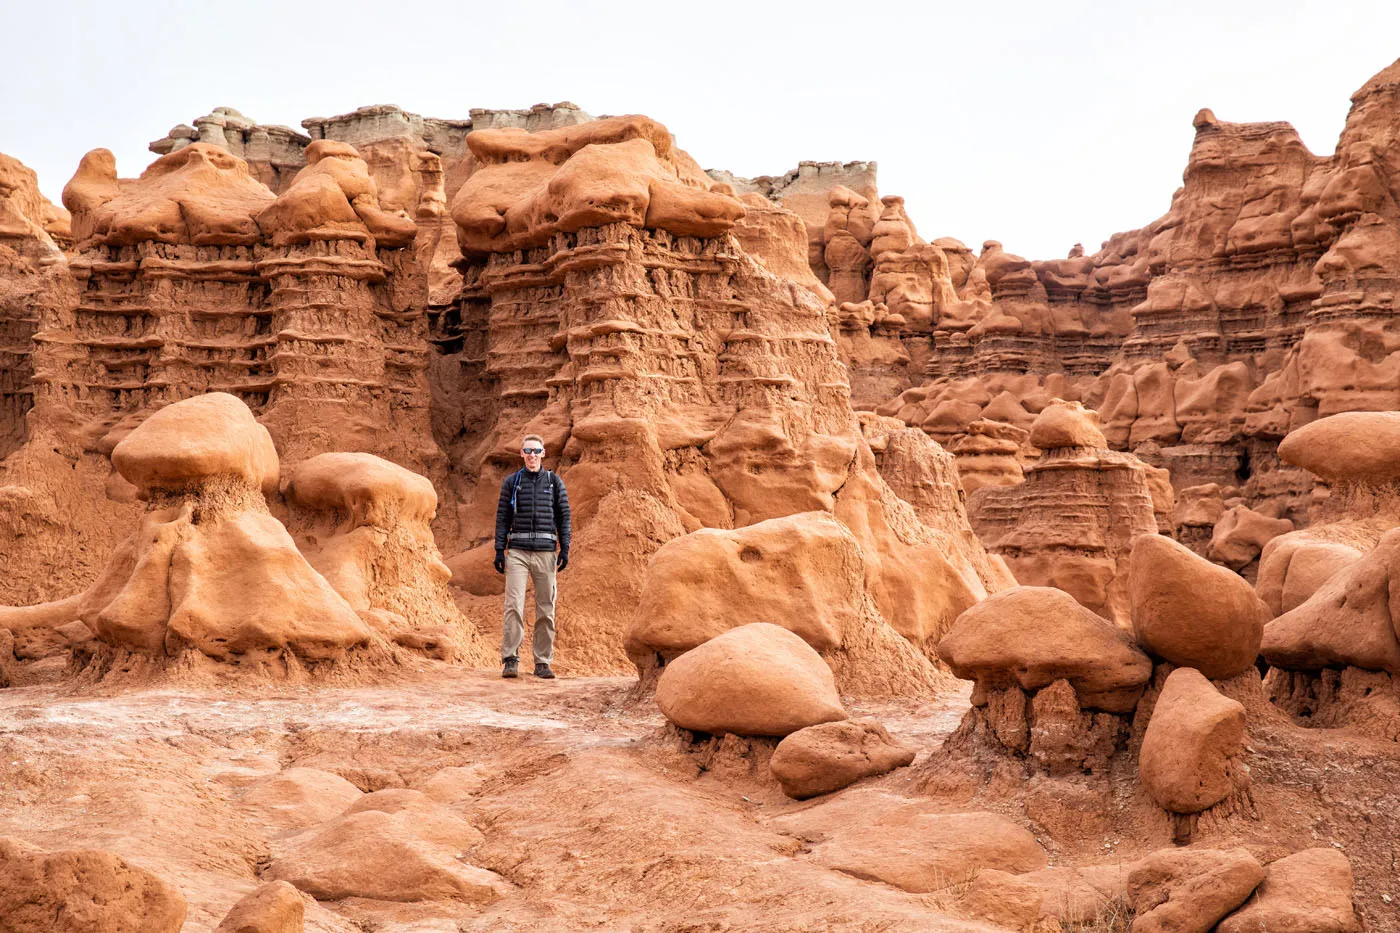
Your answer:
<point x="512" y="668"/>
<point x="542" y="671"/>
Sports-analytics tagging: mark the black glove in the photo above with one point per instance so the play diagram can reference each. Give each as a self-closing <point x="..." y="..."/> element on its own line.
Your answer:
<point x="561" y="560"/>
<point x="500" y="562"/>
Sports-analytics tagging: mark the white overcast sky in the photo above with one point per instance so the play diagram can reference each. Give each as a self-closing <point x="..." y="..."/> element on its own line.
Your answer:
<point x="1037" y="124"/>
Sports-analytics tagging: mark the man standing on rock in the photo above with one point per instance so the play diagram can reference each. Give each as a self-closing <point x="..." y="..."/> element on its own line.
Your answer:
<point x="532" y="518"/>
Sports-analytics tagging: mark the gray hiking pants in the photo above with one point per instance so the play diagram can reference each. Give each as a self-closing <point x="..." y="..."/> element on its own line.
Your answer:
<point x="538" y="567"/>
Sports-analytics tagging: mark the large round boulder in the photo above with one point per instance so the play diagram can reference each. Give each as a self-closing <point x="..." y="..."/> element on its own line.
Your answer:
<point x="1191" y="612"/>
<point x="758" y="679"/>
<point x="1031" y="636"/>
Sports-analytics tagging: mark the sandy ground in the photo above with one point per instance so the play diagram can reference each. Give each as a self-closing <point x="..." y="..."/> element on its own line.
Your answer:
<point x="597" y="815"/>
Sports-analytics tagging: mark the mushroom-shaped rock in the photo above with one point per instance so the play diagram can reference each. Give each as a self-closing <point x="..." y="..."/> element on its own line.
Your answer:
<point x="827" y="757"/>
<point x="369" y="490"/>
<point x="1352" y="447"/>
<point x="334" y="198"/>
<point x="1191" y="612"/>
<point x="1189" y="890"/>
<point x="1067" y="424"/>
<point x="363" y="523"/>
<point x="529" y="186"/>
<point x="758" y="679"/>
<point x="272" y="908"/>
<point x="1306" y="892"/>
<point x="200" y="195"/>
<point x="802" y="571"/>
<point x="1031" y="636"/>
<point x="82" y="891"/>
<point x="190" y="443"/>
<point x="1348" y="622"/>
<point x="209" y="569"/>
<point x="382" y="856"/>
<point x="1188" y="757"/>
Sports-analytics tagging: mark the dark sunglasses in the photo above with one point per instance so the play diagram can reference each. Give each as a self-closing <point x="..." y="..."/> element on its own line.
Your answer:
<point x="532" y="450"/>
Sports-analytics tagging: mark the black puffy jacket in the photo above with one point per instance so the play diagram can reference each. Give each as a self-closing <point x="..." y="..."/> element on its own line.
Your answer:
<point x="539" y="516"/>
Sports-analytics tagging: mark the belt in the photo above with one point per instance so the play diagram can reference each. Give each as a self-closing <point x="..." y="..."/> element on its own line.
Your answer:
<point x="544" y="537"/>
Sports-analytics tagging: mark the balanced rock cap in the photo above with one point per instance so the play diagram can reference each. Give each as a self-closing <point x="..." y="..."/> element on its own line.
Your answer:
<point x="362" y="484"/>
<point x="1067" y="424"/>
<point x="1032" y="636"/>
<point x="1354" y="446"/>
<point x="194" y="440"/>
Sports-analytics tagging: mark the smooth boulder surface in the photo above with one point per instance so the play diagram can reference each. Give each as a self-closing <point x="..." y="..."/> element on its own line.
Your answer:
<point x="1192" y="737"/>
<point x="386" y="857"/>
<point x="1189" y="890"/>
<point x="82" y="891"/>
<point x="1032" y="636"/>
<point x="298" y="798"/>
<point x="1354" y="446"/>
<point x="1306" y="892"/>
<point x="1191" y="612"/>
<point x="1348" y="622"/>
<point x="195" y="439"/>
<point x="272" y="908"/>
<point x="757" y="679"/>
<point x="827" y="757"/>
<point x="803" y="572"/>
<point x="1293" y="567"/>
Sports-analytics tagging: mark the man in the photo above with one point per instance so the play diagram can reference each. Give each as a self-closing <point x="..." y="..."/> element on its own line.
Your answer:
<point x="532" y="518"/>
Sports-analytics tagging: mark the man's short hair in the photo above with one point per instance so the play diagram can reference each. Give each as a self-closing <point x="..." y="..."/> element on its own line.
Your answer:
<point x="532" y="437"/>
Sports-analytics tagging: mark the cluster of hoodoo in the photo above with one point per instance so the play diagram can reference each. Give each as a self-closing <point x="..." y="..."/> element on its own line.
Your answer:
<point x="1072" y="522"/>
<point x="210" y="572"/>
<point x="1334" y="645"/>
<point x="1067" y="690"/>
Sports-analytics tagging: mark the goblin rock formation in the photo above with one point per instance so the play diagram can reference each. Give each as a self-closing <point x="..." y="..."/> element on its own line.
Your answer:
<point x="1260" y="301"/>
<point x="1072" y="521"/>
<point x="678" y="383"/>
<point x="196" y="278"/>
<point x="210" y="573"/>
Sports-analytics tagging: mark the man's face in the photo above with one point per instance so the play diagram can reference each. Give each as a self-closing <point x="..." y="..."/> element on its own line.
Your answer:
<point x="533" y="452"/>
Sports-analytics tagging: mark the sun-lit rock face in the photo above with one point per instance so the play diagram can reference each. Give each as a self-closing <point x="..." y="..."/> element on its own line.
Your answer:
<point x="1261" y="300"/>
<point x="195" y="277"/>
<point x="679" y="384"/>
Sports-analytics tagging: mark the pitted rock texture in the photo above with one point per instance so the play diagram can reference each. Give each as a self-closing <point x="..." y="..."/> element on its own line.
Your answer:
<point x="82" y="890"/>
